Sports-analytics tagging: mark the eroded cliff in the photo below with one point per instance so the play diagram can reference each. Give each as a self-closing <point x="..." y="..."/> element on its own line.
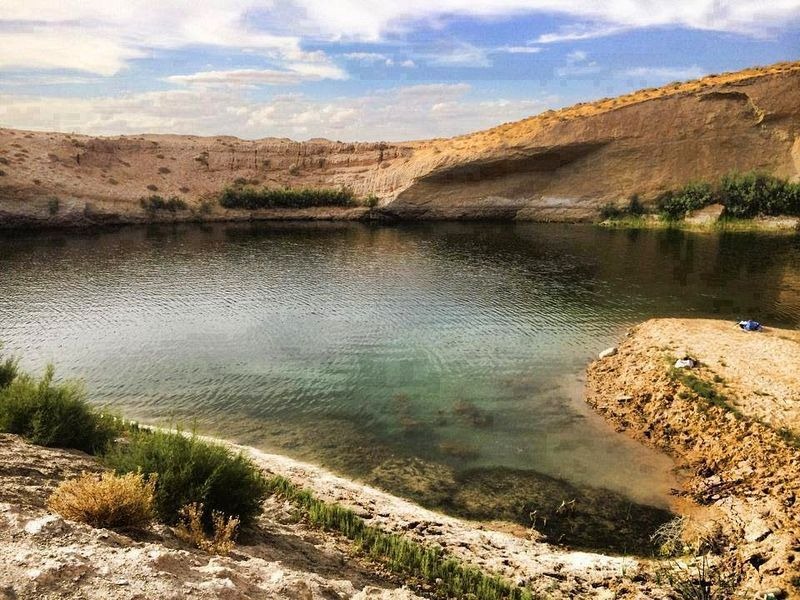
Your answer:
<point x="560" y="165"/>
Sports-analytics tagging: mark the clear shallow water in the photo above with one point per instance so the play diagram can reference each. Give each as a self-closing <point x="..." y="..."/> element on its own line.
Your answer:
<point x="440" y="361"/>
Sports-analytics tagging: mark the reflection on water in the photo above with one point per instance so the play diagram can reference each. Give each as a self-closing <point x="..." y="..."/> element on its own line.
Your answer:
<point x="440" y="361"/>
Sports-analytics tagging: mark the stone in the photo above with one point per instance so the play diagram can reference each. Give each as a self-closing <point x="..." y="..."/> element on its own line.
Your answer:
<point x="756" y="530"/>
<point x="706" y="215"/>
<point x="607" y="352"/>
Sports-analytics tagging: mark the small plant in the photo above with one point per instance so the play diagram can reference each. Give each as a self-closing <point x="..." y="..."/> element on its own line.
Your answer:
<point x="9" y="368"/>
<point x="635" y="206"/>
<point x="184" y="190"/>
<point x="190" y="529"/>
<point x="698" y="581"/>
<point x="191" y="470"/>
<point x="164" y="170"/>
<point x="401" y="555"/>
<point x="54" y="414"/>
<point x="610" y="211"/>
<point x="113" y="181"/>
<point x="251" y="198"/>
<point x="155" y="203"/>
<point x="152" y="187"/>
<point x="206" y="206"/>
<point x="110" y="501"/>
<point x="52" y="206"/>
<point x="372" y="201"/>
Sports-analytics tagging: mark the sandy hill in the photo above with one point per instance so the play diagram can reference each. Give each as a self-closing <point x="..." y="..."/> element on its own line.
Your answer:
<point x="559" y="165"/>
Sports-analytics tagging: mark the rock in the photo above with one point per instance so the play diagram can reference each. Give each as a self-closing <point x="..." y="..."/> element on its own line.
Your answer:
<point x="756" y="530"/>
<point x="706" y="215"/>
<point x="607" y="352"/>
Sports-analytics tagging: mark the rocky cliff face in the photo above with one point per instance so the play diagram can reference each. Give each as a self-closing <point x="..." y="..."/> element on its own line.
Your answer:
<point x="565" y="165"/>
<point x="560" y="165"/>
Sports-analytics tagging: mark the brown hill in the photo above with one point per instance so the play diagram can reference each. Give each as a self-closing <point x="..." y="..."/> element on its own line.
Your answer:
<point x="559" y="165"/>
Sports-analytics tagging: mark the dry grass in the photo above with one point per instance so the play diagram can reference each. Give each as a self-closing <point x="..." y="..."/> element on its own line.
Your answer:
<point x="110" y="501"/>
<point x="190" y="529"/>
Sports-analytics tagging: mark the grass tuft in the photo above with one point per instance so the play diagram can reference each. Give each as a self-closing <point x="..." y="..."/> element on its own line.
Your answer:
<point x="110" y="501"/>
<point x="191" y="530"/>
<point x="403" y="556"/>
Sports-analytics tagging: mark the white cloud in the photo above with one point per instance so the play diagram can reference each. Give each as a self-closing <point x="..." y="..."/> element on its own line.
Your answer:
<point x="103" y="36"/>
<point x="519" y="49"/>
<point x="255" y="77"/>
<point x="577" y="32"/>
<point x="367" y="57"/>
<point x="664" y="73"/>
<point x="409" y="112"/>
<point x="578" y="65"/>
<point x="458" y="54"/>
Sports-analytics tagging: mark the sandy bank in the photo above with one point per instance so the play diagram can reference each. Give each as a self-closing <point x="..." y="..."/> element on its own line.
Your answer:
<point x="731" y="424"/>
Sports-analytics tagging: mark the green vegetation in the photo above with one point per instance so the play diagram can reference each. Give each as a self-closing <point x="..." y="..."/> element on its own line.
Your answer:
<point x="191" y="470"/>
<point x="403" y="556"/>
<point x="704" y="390"/>
<point x="155" y="203"/>
<point x="53" y="206"/>
<point x="744" y="196"/>
<point x="52" y="414"/>
<point x="252" y="198"/>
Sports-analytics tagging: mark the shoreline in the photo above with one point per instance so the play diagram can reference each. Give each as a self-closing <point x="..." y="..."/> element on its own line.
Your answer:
<point x="739" y="512"/>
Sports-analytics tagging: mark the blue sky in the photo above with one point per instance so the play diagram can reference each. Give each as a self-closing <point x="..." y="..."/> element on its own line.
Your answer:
<point x="358" y="70"/>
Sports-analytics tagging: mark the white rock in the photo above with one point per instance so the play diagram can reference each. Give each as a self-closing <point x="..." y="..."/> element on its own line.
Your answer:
<point x="756" y="530"/>
<point x="607" y="352"/>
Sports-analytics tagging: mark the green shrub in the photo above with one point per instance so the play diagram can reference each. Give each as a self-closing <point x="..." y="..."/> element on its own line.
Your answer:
<point x="9" y="368"/>
<point x="610" y="211"/>
<point x="693" y="196"/>
<point x="193" y="471"/>
<point x="53" y="206"/>
<point x="635" y="206"/>
<point x="251" y="198"/>
<point x="452" y="578"/>
<point x="372" y="201"/>
<point x="750" y="194"/>
<point x="51" y="414"/>
<point x="155" y="203"/>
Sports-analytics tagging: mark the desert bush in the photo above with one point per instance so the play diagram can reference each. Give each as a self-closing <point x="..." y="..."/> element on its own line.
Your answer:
<point x="152" y="187"/>
<point x="191" y="530"/>
<point x="252" y="198"/>
<point x="164" y="170"/>
<point x="155" y="203"/>
<point x="54" y="414"/>
<point x="191" y="470"/>
<point x="9" y="368"/>
<point x="372" y="201"/>
<point x="699" y="580"/>
<point x="693" y="196"/>
<point x="635" y="206"/>
<point x="400" y="554"/>
<point x="53" y="206"/>
<point x="750" y="194"/>
<point x="110" y="501"/>
<point x="610" y="211"/>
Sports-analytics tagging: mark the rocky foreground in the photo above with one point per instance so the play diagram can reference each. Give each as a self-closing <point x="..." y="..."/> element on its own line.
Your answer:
<point x="733" y="435"/>
<point x="557" y="166"/>
<point x="732" y="422"/>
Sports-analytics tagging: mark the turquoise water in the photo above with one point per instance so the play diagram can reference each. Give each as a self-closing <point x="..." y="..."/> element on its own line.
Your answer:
<point x="440" y="361"/>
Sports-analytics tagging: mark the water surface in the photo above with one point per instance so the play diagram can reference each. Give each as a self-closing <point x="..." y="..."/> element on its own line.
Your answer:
<point x="440" y="361"/>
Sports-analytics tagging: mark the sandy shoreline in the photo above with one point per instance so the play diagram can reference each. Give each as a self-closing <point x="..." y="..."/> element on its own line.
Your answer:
<point x="741" y="470"/>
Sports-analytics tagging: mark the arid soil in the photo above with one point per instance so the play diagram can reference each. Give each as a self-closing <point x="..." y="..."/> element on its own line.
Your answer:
<point x="43" y="556"/>
<point x="736" y="445"/>
<point x="557" y="166"/>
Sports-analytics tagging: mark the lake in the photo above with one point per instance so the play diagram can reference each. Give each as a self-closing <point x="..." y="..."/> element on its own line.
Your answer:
<point x="439" y="361"/>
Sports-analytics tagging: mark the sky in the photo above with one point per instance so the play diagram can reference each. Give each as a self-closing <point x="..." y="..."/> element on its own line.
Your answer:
<point x="358" y="69"/>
